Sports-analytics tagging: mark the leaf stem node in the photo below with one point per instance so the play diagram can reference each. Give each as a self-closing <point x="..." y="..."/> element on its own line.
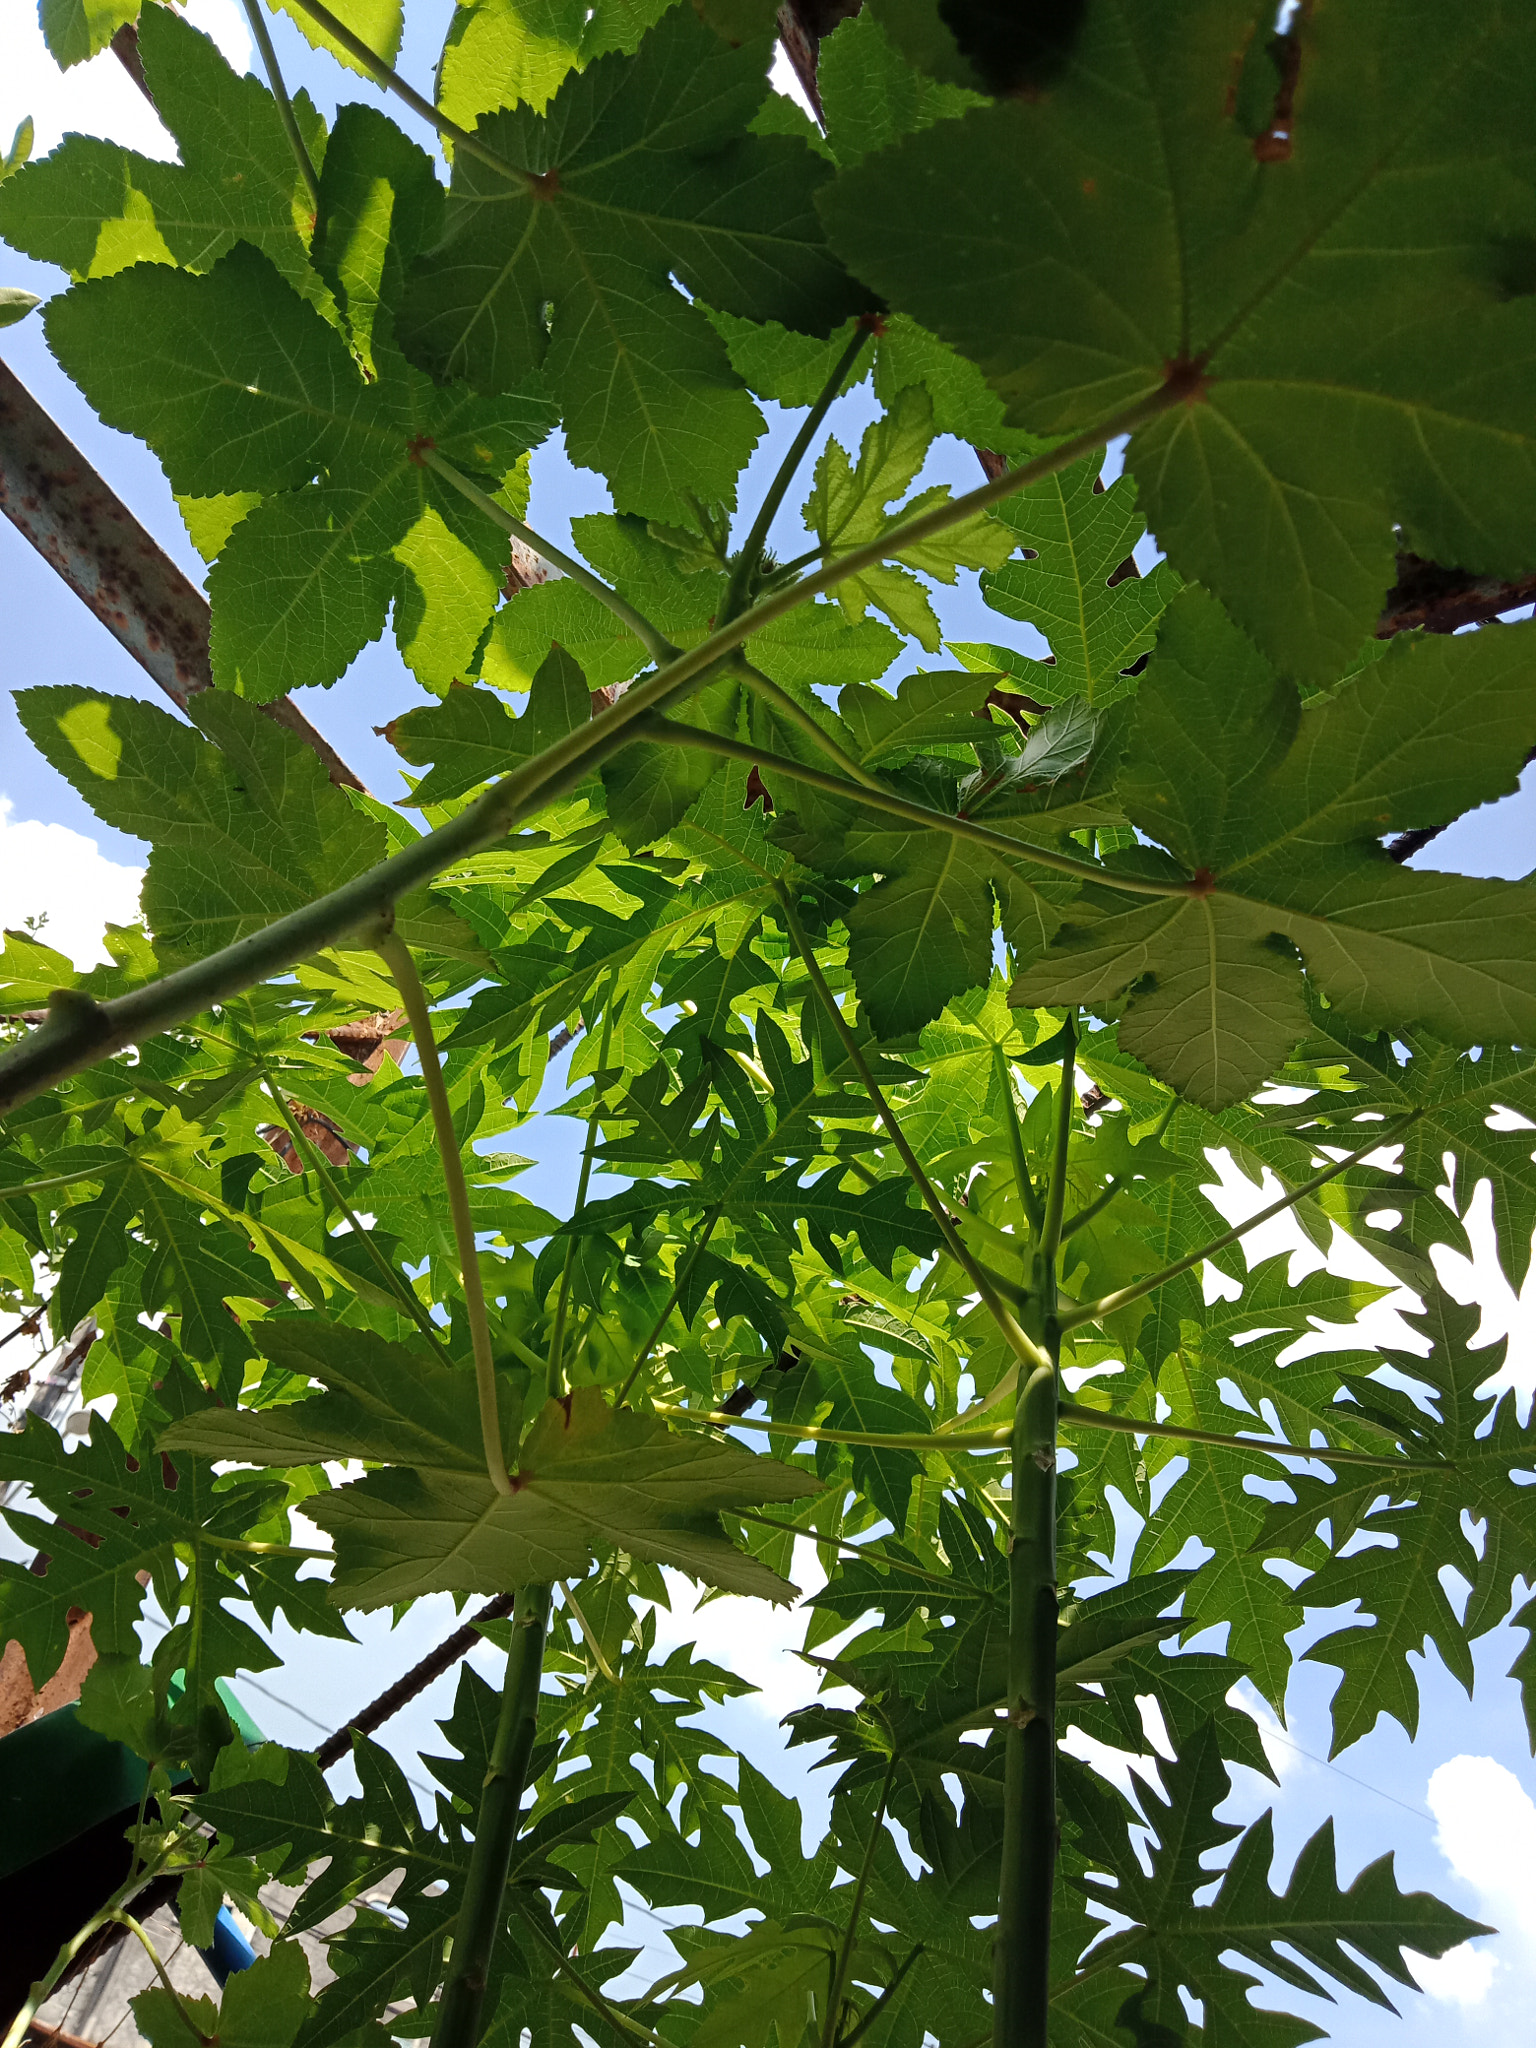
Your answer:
<point x="1202" y="882"/>
<point x="416" y="449"/>
<point x="1184" y="378"/>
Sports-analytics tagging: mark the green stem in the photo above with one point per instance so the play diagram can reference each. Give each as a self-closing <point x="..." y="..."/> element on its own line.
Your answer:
<point x="1089" y="1210"/>
<point x="1021" y="1968"/>
<point x="938" y="1444"/>
<point x="1102" y="1201"/>
<point x="249" y="1549"/>
<point x="867" y="1551"/>
<point x="857" y="2033"/>
<point x="1056" y="1193"/>
<point x="839" y="1986"/>
<point x="1091" y="1311"/>
<point x="79" y="1030"/>
<point x="43" y="1989"/>
<point x="751" y="555"/>
<point x="775" y="694"/>
<point x="1177" y="1432"/>
<point x="390" y="79"/>
<point x="589" y="1992"/>
<point x="554" y="1382"/>
<point x="483" y="1907"/>
<point x="1021" y="1345"/>
<point x="812" y="1433"/>
<point x="1023" y="1179"/>
<point x="396" y="955"/>
<point x="1021" y="1952"/>
<point x="879" y="798"/>
<point x="127" y="1920"/>
<point x="316" y="1159"/>
<point x="54" y="1180"/>
<point x="815" y="554"/>
<point x="269" y="64"/>
<point x="654" y="641"/>
<point x="690" y="1260"/>
<point x="588" y="1634"/>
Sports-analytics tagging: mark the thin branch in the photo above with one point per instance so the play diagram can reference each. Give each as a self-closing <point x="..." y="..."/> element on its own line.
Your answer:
<point x="396" y="955"/>
<point x="79" y="1031"/>
<point x="654" y="641"/>
<point x="553" y="1382"/>
<point x="29" y="1328"/>
<point x="839" y="1986"/>
<point x="396" y="1285"/>
<point x="269" y="64"/>
<point x="867" y="1551"/>
<point x="1023" y="1179"/>
<point x="1022" y="1346"/>
<point x="588" y="1633"/>
<point x="1128" y="1425"/>
<point x="879" y="798"/>
<point x="390" y="79"/>
<point x="679" y="1282"/>
<point x="1091" y="1311"/>
<point x="857" y="2033"/>
<point x="589" y="1992"/>
<point x="127" y="1920"/>
<point x="1056" y="1192"/>
<point x="775" y="694"/>
<point x="105" y="1914"/>
<point x="1089" y="1210"/>
<point x="756" y="542"/>
<point x="812" y="1433"/>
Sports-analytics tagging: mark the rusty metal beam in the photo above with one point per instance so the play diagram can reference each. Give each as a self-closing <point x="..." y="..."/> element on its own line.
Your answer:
<point x="83" y="530"/>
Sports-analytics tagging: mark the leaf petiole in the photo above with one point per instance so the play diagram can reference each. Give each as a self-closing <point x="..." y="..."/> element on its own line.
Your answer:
<point x="752" y="549"/>
<point x="654" y="641"/>
<point x="775" y="694"/>
<point x="385" y="75"/>
<point x="1022" y="1346"/>
<point x="839" y="1987"/>
<point x="813" y="1433"/>
<point x="396" y="955"/>
<point x="261" y="36"/>
<point x="690" y="1260"/>
<point x="79" y="1030"/>
<point x="554" y="1382"/>
<point x="1107" y="1304"/>
<point x="1072" y="1412"/>
<point x="879" y="798"/>
<point x="1023" y="1179"/>
<point x="588" y="1634"/>
<point x="312" y="1153"/>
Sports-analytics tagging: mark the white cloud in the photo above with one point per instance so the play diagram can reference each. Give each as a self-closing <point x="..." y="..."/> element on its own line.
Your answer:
<point x="98" y="98"/>
<point x="1486" y="1831"/>
<point x="49" y="871"/>
<point x="748" y="1637"/>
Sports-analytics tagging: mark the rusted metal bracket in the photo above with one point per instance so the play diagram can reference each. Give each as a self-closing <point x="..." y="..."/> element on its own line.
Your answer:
<point x="83" y="530"/>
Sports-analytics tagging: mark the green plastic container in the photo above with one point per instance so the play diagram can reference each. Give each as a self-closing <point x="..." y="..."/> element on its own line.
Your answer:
<point x="58" y="1778"/>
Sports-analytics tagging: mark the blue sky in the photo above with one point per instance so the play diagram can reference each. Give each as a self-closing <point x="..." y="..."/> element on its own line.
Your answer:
<point x="1456" y="1804"/>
